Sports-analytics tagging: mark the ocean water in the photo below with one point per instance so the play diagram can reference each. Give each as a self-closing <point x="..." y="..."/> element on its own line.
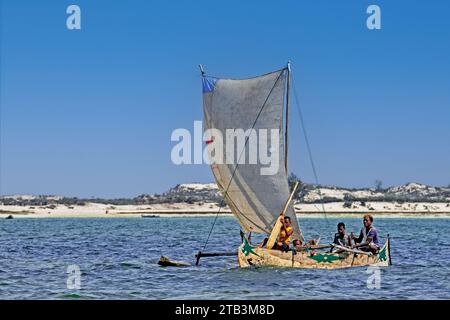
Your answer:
<point x="117" y="259"/>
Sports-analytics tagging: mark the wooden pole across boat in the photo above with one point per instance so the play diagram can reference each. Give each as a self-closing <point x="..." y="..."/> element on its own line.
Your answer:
<point x="277" y="227"/>
<point x="350" y="250"/>
<point x="321" y="246"/>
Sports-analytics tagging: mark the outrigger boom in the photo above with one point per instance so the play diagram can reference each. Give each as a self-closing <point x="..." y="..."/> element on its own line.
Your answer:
<point x="213" y="254"/>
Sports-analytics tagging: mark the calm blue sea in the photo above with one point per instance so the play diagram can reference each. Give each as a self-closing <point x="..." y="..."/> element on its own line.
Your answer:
<point x="117" y="259"/>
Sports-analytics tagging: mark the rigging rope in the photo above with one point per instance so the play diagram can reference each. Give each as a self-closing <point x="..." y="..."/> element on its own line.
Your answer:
<point x="240" y="155"/>
<point x="308" y="147"/>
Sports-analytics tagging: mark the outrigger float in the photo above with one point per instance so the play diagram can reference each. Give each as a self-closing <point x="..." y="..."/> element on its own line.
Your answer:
<point x="256" y="197"/>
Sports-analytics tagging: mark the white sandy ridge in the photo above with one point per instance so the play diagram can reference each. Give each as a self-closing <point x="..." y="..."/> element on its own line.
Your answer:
<point x="105" y="210"/>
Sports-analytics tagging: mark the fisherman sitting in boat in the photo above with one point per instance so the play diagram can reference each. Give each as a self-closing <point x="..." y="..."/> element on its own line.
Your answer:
<point x="286" y="232"/>
<point x="368" y="237"/>
<point x="341" y="238"/>
<point x="284" y="237"/>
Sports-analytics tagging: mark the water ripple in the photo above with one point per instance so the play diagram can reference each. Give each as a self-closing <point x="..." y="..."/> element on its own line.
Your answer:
<point x="117" y="259"/>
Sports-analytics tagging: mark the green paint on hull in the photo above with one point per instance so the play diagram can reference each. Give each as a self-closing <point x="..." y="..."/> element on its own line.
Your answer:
<point x="382" y="254"/>
<point x="247" y="249"/>
<point x="320" y="257"/>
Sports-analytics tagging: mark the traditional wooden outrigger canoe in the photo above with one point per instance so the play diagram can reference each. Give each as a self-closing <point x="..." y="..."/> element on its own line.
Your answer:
<point x="249" y="255"/>
<point x="253" y="190"/>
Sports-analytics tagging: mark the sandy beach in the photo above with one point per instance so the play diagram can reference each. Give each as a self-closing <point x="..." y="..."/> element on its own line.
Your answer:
<point x="98" y="210"/>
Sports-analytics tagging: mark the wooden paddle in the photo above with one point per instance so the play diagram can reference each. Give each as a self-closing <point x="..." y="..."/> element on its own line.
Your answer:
<point x="277" y="227"/>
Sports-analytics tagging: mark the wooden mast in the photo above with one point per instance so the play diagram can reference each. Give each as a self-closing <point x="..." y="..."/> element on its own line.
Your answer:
<point x="287" y="118"/>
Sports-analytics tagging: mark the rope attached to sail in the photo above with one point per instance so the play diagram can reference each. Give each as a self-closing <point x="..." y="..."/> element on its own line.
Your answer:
<point x="308" y="147"/>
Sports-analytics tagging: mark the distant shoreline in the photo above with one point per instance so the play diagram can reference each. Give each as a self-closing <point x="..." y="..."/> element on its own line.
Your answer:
<point x="97" y="210"/>
<point x="197" y="199"/>
<point x="204" y="215"/>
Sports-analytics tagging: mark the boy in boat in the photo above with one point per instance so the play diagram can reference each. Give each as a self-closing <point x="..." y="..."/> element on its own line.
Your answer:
<point x="341" y="238"/>
<point x="368" y="237"/>
<point x="298" y="245"/>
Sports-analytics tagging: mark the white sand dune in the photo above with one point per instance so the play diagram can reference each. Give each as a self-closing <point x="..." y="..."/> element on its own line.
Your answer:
<point x="105" y="210"/>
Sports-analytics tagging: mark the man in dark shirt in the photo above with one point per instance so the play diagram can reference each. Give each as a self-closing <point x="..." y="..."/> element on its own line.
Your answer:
<point x="341" y="238"/>
<point x="368" y="237"/>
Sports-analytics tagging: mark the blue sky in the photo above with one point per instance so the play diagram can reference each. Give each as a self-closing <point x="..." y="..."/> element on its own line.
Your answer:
<point x="90" y="112"/>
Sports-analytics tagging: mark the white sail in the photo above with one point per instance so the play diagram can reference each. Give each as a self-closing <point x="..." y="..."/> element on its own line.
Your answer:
<point x="255" y="199"/>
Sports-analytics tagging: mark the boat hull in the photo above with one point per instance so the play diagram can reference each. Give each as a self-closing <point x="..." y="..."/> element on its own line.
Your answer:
<point x="249" y="255"/>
